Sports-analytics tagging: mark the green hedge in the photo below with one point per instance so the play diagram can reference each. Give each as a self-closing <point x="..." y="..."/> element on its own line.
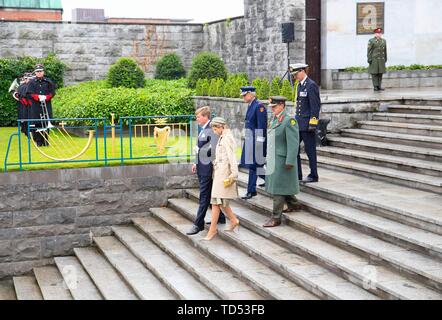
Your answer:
<point x="15" y="67"/>
<point x="206" y="65"/>
<point x="231" y="88"/>
<point x="96" y="99"/>
<point x="126" y="73"/>
<point x="396" y="68"/>
<point x="170" y="67"/>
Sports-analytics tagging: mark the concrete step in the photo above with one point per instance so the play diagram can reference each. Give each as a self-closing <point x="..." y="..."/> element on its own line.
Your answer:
<point x="7" y="291"/>
<point x="373" y="237"/>
<point x="383" y="160"/>
<point x="393" y="149"/>
<point x="214" y="274"/>
<point x="409" y="237"/>
<point x="312" y="277"/>
<point x="26" y="288"/>
<point x="104" y="276"/>
<point x="394" y="138"/>
<point x="51" y="283"/>
<point x="140" y="279"/>
<point x="408" y="206"/>
<point x="171" y="274"/>
<point x="77" y="280"/>
<point x="359" y="270"/>
<point x="408" y="179"/>
<point x="404" y="128"/>
<point x="416" y="109"/>
<point x="432" y="120"/>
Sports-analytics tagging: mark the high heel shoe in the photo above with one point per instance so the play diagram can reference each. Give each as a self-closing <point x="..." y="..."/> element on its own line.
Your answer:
<point x="210" y="237"/>
<point x="233" y="226"/>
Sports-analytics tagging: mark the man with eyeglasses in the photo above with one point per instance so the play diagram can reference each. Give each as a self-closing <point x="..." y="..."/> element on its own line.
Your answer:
<point x="40" y="91"/>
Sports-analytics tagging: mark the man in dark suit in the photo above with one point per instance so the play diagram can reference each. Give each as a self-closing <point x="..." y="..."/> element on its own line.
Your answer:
<point x="308" y="107"/>
<point x="206" y="147"/>
<point x="255" y="143"/>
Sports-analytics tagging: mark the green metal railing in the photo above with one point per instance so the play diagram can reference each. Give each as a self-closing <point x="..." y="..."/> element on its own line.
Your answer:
<point x="125" y="130"/>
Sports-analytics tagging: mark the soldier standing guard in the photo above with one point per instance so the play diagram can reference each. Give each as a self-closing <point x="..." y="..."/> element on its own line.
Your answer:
<point x="255" y="144"/>
<point x="40" y="91"/>
<point x="282" y="170"/>
<point x="308" y="107"/>
<point x="23" y="104"/>
<point x="377" y="58"/>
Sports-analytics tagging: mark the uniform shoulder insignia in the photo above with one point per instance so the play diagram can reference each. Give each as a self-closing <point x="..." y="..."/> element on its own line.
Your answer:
<point x="293" y="122"/>
<point x="262" y="109"/>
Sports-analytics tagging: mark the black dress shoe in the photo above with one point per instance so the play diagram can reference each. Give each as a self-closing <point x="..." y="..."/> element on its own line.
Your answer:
<point x="381" y="89"/>
<point x="262" y="185"/>
<point x="249" y="195"/>
<point x="194" y="230"/>
<point x="310" y="180"/>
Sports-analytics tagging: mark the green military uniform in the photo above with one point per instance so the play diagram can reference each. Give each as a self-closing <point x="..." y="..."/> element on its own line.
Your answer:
<point x="282" y="150"/>
<point x="377" y="58"/>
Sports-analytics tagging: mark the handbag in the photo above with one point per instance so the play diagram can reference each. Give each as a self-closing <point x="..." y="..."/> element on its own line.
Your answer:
<point x="228" y="182"/>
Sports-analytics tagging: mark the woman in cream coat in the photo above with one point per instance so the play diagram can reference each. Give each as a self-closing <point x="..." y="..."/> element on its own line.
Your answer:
<point x="225" y="174"/>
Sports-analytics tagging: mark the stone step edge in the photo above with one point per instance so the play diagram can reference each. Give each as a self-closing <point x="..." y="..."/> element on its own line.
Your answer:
<point x="333" y="266"/>
<point x="427" y="165"/>
<point x="407" y="115"/>
<point x="151" y="268"/>
<point x="383" y="145"/>
<point x="300" y="280"/>
<point x="200" y="277"/>
<point x="401" y="125"/>
<point x="364" y="205"/>
<point x="119" y="270"/>
<point x="393" y="135"/>
<point x="378" y="171"/>
<point x="100" y="289"/>
<point x="37" y="287"/>
<point x="395" y="266"/>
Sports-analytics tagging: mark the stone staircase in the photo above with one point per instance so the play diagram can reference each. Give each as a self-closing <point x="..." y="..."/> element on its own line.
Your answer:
<point x="401" y="146"/>
<point x="372" y="229"/>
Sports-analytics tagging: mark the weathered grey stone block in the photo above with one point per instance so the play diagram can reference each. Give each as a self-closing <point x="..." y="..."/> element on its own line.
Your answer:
<point x="6" y="220"/>
<point x="26" y="249"/>
<point x="62" y="246"/>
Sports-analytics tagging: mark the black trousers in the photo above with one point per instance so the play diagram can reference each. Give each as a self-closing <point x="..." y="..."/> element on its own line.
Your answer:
<point x="309" y="139"/>
<point x="205" y="183"/>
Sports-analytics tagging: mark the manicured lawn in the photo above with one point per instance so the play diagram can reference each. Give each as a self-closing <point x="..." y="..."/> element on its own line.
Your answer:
<point x="63" y="147"/>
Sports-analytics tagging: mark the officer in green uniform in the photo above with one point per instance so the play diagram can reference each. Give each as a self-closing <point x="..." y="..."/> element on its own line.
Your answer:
<point x="377" y="57"/>
<point x="282" y="168"/>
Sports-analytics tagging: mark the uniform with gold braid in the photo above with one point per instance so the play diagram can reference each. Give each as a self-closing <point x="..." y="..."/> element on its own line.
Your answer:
<point x="308" y="107"/>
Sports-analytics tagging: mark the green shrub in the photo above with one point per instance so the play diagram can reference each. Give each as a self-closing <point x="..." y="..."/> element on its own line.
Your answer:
<point x="205" y="87"/>
<point x="257" y="83"/>
<point x="96" y="99"/>
<point x="170" y="67"/>
<point x="11" y="69"/>
<point x="287" y="90"/>
<point x="275" y="89"/>
<point x="265" y="89"/>
<point x="126" y="73"/>
<point x="213" y="88"/>
<point x="220" y="88"/>
<point x="199" y="87"/>
<point x="206" y="65"/>
<point x="396" y="68"/>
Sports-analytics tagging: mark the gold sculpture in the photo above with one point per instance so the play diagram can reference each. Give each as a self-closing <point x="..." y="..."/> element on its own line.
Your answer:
<point x="161" y="135"/>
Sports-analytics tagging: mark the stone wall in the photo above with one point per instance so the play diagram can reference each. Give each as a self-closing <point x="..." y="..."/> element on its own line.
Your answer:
<point x="343" y="113"/>
<point x="48" y="213"/>
<point x="90" y="48"/>
<point x="250" y="44"/>
<point x="393" y="79"/>
<point x="266" y="54"/>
